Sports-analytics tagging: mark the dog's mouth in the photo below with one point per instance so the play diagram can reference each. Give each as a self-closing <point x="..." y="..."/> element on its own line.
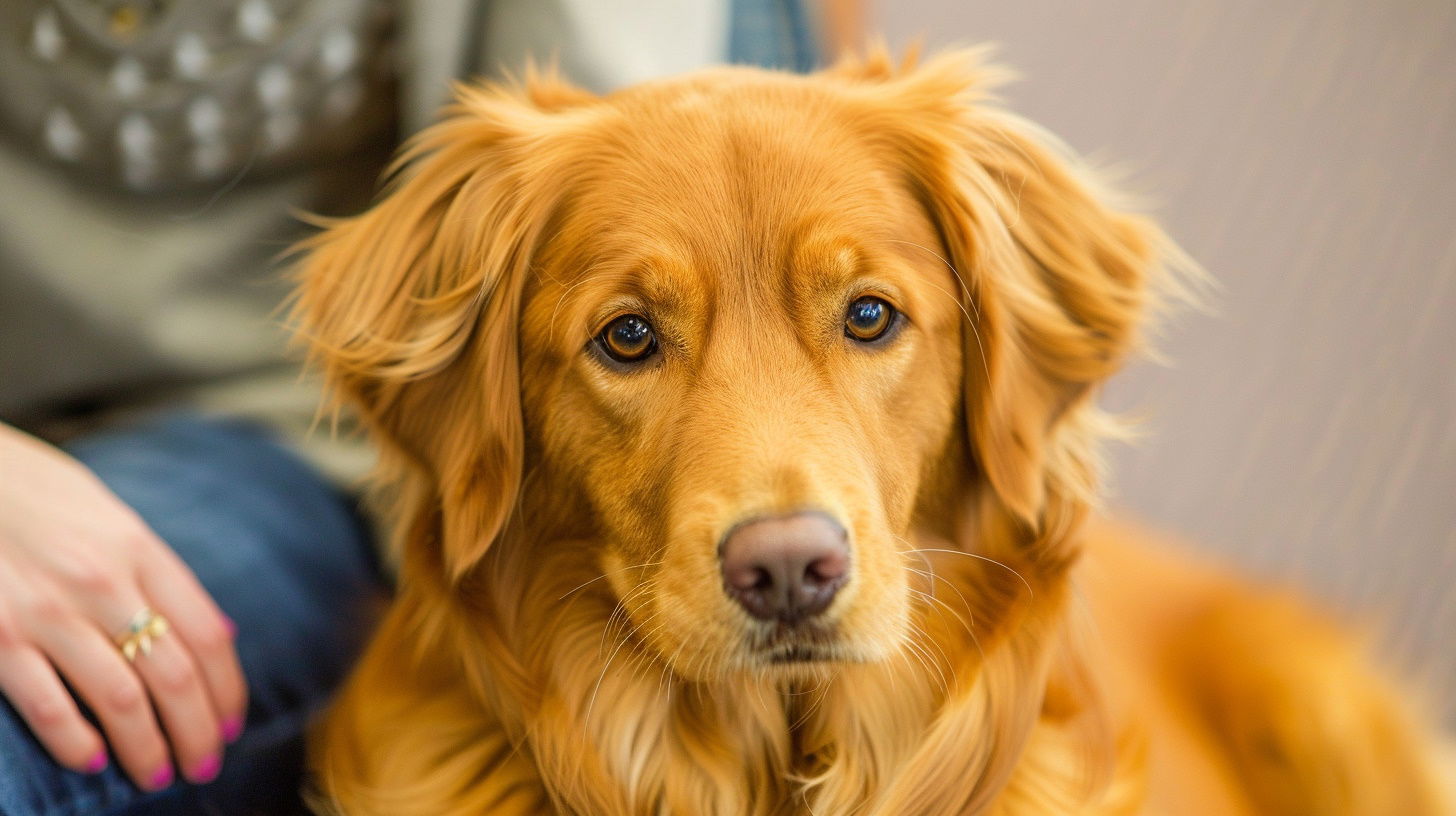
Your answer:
<point x="800" y="654"/>
<point x="790" y="645"/>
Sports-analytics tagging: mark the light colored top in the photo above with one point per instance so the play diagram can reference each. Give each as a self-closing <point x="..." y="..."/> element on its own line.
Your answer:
<point x="153" y="158"/>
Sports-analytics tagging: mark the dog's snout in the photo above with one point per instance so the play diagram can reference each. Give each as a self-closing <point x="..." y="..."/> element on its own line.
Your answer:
<point x="786" y="568"/>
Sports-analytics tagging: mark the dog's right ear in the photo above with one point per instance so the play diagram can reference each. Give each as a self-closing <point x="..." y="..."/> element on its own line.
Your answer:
<point x="1056" y="275"/>
<point x="411" y="308"/>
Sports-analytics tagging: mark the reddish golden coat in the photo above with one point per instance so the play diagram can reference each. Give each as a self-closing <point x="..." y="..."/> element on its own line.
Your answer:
<point x="561" y="640"/>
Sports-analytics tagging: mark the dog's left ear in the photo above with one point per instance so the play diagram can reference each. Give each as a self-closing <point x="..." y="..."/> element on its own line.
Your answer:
<point x="411" y="310"/>
<point x="1056" y="276"/>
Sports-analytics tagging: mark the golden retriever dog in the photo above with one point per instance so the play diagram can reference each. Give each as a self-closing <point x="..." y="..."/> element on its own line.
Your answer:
<point x="739" y="440"/>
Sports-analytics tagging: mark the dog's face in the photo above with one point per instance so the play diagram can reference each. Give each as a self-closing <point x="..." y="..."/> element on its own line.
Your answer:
<point x="745" y="335"/>
<point x="742" y="348"/>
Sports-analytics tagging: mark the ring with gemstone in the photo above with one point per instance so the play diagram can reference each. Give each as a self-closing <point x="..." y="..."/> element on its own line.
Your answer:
<point x="145" y="626"/>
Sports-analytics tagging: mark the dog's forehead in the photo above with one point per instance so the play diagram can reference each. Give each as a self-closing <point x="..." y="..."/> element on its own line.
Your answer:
<point x="732" y="183"/>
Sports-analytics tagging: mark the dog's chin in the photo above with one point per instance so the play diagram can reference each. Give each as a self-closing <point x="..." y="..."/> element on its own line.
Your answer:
<point x="733" y="647"/>
<point x="785" y="659"/>
<point x="811" y="663"/>
<point x="802" y="663"/>
<point x="805" y="655"/>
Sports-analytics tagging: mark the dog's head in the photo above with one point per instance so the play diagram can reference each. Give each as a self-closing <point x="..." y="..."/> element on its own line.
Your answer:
<point x="762" y="341"/>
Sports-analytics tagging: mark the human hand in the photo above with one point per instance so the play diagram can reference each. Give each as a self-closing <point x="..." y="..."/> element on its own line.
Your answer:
<point x="76" y="565"/>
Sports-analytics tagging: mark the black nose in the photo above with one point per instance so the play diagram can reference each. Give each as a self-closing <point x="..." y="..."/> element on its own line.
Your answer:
<point x="786" y="568"/>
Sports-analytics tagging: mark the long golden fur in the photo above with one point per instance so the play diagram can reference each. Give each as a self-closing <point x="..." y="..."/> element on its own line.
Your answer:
<point x="562" y="641"/>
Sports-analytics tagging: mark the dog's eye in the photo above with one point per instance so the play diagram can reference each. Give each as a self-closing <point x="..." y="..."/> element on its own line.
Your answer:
<point x="868" y="319"/>
<point x="628" y="339"/>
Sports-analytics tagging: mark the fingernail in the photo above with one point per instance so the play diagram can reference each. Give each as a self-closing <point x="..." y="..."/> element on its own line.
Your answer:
<point x="162" y="778"/>
<point x="97" y="763"/>
<point x="232" y="628"/>
<point x="232" y="728"/>
<point x="206" y="770"/>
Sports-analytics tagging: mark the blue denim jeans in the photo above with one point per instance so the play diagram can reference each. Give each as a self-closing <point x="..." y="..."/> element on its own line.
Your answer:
<point x="286" y="557"/>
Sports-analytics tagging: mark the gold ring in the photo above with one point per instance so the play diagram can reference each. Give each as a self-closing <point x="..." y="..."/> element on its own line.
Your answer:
<point x="144" y="626"/>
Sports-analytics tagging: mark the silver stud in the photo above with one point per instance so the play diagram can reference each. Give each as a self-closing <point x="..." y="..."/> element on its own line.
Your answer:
<point x="136" y="137"/>
<point x="190" y="57"/>
<point x="337" y="51"/>
<point x="274" y="86"/>
<point x="204" y="118"/>
<point x="62" y="135"/>
<point x="256" y="20"/>
<point x="46" y="37"/>
<point x="128" y="77"/>
<point x="342" y="99"/>
<point x="139" y="172"/>
<point x="280" y="130"/>
<point x="209" y="159"/>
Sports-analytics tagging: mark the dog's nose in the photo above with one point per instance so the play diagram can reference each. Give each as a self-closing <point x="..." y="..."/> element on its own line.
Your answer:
<point x="786" y="568"/>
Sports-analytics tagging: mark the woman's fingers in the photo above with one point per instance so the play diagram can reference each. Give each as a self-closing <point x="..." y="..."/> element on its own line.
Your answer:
<point x="116" y="695"/>
<point x="29" y="681"/>
<point x="76" y="564"/>
<point x="180" y="696"/>
<point x="175" y="592"/>
<point x="178" y="690"/>
<point x="161" y="682"/>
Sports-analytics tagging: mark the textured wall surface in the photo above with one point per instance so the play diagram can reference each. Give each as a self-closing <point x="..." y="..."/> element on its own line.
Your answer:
<point x="1304" y="151"/>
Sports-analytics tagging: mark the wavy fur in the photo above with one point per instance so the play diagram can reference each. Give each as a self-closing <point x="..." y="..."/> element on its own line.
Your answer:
<point x="561" y="642"/>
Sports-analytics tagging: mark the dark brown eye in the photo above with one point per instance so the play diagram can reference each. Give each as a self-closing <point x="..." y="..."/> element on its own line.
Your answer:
<point x="628" y="339"/>
<point x="868" y="319"/>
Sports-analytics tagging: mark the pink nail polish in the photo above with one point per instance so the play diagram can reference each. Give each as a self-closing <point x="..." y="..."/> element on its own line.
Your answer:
<point x="97" y="763"/>
<point x="162" y="778"/>
<point x="232" y="728"/>
<point x="232" y="628"/>
<point x="206" y="770"/>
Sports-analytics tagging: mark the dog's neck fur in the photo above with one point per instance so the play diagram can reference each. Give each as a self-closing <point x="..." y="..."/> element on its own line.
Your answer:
<point x="920" y="733"/>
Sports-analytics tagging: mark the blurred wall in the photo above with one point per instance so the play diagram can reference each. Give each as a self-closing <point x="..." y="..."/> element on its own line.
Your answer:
<point x="1304" y="151"/>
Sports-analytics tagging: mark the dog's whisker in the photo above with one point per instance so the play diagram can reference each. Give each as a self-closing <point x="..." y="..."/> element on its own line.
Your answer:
<point x="914" y="648"/>
<point x="625" y="638"/>
<point x="556" y="310"/>
<point x="972" y="322"/>
<point x="1019" y="576"/>
<point x="943" y="608"/>
<point x="931" y="594"/>
<point x="621" y="612"/>
<point x="948" y="265"/>
<point x="591" y="703"/>
<point x="965" y="604"/>
<point x="925" y="642"/>
<point x="641" y="658"/>
<point x="609" y="572"/>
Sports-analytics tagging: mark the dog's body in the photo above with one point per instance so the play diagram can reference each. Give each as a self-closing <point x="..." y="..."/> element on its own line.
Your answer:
<point x="629" y="357"/>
